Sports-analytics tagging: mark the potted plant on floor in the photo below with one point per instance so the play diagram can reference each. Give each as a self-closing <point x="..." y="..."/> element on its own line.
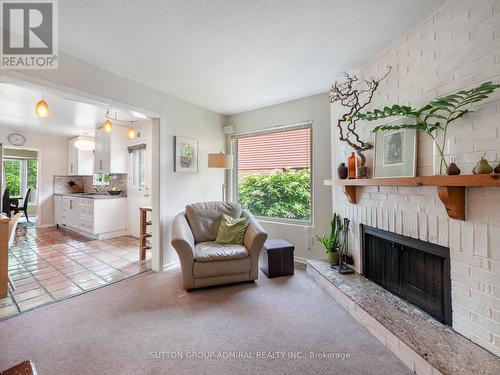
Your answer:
<point x="333" y="242"/>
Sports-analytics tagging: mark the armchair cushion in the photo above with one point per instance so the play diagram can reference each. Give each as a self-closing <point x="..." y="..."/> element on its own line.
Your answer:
<point x="231" y="231"/>
<point x="211" y="251"/>
<point x="204" y="218"/>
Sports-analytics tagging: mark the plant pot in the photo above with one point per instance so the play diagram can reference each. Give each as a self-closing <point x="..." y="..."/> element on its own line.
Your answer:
<point x="333" y="258"/>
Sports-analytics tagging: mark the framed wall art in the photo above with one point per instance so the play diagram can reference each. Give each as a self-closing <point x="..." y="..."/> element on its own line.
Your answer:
<point x="186" y="155"/>
<point x="395" y="152"/>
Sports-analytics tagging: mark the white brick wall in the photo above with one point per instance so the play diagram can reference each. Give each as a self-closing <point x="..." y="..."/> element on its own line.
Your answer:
<point x="457" y="47"/>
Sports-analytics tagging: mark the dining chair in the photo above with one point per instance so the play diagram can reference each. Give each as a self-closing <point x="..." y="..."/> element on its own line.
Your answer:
<point x="12" y="236"/>
<point x="24" y="208"/>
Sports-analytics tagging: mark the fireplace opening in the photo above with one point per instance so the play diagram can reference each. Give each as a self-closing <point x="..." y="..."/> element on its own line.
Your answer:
<point x="414" y="270"/>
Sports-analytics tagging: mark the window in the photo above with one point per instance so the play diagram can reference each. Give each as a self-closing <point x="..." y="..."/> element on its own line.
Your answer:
<point x="138" y="166"/>
<point x="21" y="175"/>
<point x="273" y="172"/>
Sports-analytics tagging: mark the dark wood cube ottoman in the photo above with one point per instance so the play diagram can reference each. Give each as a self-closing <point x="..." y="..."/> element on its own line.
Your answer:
<point x="276" y="258"/>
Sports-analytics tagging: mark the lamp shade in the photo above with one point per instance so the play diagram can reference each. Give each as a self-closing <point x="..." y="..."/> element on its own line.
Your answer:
<point x="220" y="160"/>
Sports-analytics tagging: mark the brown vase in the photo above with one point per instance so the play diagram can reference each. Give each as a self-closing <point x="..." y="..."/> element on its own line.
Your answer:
<point x="342" y="171"/>
<point x="351" y="166"/>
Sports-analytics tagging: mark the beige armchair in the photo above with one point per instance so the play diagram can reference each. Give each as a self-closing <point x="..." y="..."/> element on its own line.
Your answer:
<point x="205" y="262"/>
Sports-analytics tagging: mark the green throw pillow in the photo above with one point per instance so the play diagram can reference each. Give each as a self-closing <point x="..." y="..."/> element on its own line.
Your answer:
<point x="231" y="230"/>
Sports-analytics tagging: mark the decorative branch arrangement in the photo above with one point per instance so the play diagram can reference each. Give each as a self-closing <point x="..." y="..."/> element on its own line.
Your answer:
<point x="433" y="117"/>
<point x="354" y="97"/>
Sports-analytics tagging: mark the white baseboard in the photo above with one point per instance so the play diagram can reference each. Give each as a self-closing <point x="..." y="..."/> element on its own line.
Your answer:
<point x="45" y="225"/>
<point x="110" y="235"/>
<point x="300" y="260"/>
<point x="170" y="265"/>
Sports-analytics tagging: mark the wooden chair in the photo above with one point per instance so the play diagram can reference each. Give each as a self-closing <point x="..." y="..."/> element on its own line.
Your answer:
<point x="12" y="236"/>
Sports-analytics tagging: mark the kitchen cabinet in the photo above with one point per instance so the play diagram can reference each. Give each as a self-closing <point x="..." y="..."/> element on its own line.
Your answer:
<point x="101" y="218"/>
<point x="80" y="162"/>
<point x="111" y="153"/>
<point x="69" y="212"/>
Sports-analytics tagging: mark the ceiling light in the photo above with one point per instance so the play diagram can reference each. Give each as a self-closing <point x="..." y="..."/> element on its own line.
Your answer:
<point x="131" y="133"/>
<point x="42" y="109"/>
<point x="107" y="126"/>
<point x="84" y="144"/>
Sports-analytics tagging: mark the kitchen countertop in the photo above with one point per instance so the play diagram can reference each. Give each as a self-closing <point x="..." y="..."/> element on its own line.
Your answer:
<point x="91" y="195"/>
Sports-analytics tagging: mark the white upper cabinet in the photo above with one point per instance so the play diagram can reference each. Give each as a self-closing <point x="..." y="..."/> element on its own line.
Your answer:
<point x="80" y="162"/>
<point x="111" y="153"/>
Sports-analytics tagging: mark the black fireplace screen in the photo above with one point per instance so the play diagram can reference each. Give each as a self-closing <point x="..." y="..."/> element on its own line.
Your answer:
<point x="415" y="270"/>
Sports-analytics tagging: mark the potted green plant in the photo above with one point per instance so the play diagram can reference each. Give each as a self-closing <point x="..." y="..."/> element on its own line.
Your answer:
<point x="433" y="118"/>
<point x="332" y="242"/>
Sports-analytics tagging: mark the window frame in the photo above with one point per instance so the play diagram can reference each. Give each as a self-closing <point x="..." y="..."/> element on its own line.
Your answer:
<point x="275" y="129"/>
<point x="23" y="178"/>
<point x="138" y="160"/>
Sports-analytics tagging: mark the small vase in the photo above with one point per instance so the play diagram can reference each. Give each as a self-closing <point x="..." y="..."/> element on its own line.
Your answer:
<point x="351" y="166"/>
<point x="342" y="171"/>
<point x="332" y="258"/>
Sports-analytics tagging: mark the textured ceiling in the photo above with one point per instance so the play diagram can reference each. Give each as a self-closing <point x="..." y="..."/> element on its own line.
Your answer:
<point x="235" y="55"/>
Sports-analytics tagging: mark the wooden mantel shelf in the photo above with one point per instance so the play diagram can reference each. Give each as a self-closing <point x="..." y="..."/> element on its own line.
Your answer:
<point x="451" y="189"/>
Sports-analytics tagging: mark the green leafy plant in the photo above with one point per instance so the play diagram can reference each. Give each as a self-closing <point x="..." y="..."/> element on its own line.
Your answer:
<point x="284" y="194"/>
<point x="333" y="241"/>
<point x="12" y="170"/>
<point x="433" y="117"/>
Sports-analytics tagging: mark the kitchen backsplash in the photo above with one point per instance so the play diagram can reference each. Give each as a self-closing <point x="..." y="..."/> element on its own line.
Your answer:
<point x="116" y="180"/>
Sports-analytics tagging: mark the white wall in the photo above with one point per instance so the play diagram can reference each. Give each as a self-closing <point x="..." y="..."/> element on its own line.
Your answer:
<point x="455" y="48"/>
<point x="317" y="109"/>
<point x="177" y="118"/>
<point x="53" y="162"/>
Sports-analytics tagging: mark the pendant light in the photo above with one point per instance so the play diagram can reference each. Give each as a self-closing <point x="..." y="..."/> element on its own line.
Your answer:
<point x="131" y="133"/>
<point x="42" y="109"/>
<point x="107" y="126"/>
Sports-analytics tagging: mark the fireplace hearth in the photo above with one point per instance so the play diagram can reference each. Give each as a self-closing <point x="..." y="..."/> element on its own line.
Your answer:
<point x="414" y="270"/>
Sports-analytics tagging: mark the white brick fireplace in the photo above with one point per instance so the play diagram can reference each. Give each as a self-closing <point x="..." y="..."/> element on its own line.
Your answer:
<point x="457" y="47"/>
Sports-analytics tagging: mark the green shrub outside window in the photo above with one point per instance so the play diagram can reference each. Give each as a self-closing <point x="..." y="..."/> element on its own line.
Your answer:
<point x="283" y="194"/>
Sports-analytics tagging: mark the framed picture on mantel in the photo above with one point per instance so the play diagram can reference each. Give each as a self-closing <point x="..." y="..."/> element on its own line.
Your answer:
<point x="395" y="152"/>
<point x="186" y="155"/>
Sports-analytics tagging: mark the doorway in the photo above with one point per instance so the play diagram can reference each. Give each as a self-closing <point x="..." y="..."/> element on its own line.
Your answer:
<point x="20" y="174"/>
<point x="139" y="178"/>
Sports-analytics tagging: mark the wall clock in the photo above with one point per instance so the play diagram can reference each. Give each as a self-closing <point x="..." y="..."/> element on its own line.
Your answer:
<point x="16" y="139"/>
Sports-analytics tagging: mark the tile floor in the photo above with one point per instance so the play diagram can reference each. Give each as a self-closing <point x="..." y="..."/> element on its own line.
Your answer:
<point x="50" y="264"/>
